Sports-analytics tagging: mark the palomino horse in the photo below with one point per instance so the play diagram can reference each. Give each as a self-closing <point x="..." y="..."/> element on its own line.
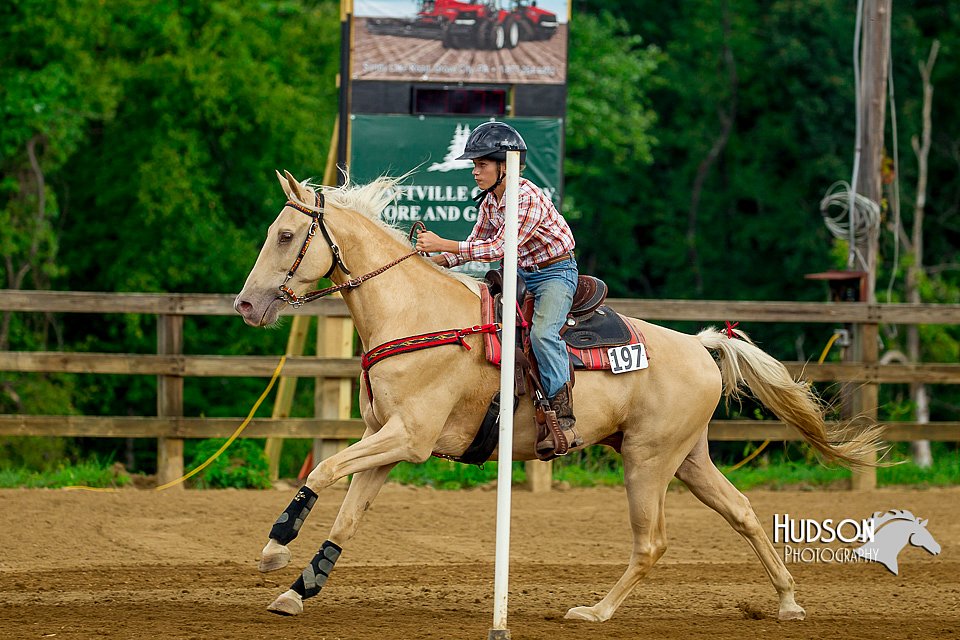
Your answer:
<point x="432" y="401"/>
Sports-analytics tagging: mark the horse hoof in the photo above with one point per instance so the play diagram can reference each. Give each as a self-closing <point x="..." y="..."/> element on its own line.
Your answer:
<point x="277" y="558"/>
<point x="792" y="614"/>
<point x="289" y="603"/>
<point x="583" y="613"/>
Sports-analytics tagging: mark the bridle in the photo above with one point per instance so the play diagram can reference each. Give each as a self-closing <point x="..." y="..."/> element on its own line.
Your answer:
<point x="318" y="223"/>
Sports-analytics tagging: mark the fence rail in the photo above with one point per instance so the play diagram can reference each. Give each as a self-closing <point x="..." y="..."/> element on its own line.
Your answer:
<point x="179" y="427"/>
<point x="306" y="366"/>
<point x="171" y="366"/>
<point x="176" y="427"/>
<point x="218" y="304"/>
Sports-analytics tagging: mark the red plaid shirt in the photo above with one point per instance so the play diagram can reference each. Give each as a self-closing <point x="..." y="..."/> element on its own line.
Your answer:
<point x="543" y="232"/>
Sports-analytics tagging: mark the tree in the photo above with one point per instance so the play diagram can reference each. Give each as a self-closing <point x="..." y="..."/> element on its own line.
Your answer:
<point x="52" y="88"/>
<point x="139" y="142"/>
<point x="609" y="140"/>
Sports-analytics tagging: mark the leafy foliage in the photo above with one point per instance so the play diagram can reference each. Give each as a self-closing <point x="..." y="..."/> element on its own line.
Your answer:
<point x="33" y="452"/>
<point x="51" y="89"/>
<point x="242" y="466"/>
<point x="610" y="138"/>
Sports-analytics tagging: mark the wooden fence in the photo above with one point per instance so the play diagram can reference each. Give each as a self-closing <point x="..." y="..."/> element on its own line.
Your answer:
<point x="171" y="366"/>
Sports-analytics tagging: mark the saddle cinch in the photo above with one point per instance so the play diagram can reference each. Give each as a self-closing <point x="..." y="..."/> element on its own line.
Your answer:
<point x="590" y="330"/>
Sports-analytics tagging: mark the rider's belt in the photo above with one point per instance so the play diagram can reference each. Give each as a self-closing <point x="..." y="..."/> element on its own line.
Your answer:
<point x="550" y="261"/>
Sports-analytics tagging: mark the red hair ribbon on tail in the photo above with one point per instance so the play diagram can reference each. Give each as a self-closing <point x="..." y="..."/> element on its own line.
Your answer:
<point x="730" y="328"/>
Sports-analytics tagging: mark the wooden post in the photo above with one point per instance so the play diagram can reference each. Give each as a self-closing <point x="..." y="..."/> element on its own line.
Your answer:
<point x="539" y="475"/>
<point x="866" y="398"/>
<point x="169" y="400"/>
<point x="873" y="100"/>
<point x="298" y="338"/>
<point x="333" y="397"/>
<point x="286" y="388"/>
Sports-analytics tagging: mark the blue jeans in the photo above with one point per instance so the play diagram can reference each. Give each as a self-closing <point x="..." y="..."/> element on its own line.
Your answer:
<point x="553" y="288"/>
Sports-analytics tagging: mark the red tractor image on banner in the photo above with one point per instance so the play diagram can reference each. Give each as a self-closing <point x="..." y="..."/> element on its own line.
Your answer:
<point x="462" y="24"/>
<point x="535" y="23"/>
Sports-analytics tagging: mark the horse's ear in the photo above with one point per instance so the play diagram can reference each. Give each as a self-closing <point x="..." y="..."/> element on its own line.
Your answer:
<point x="283" y="183"/>
<point x="295" y="189"/>
<point x="923" y="523"/>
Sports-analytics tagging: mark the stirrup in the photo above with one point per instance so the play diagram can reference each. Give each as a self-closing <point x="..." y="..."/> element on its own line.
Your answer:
<point x="547" y="448"/>
<point x="555" y="441"/>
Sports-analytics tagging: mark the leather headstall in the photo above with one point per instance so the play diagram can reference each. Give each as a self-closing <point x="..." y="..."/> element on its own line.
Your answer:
<point x="316" y="223"/>
<point x="287" y="294"/>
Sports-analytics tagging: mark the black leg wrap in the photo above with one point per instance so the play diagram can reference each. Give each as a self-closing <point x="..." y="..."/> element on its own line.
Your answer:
<point x="288" y="524"/>
<point x="315" y="575"/>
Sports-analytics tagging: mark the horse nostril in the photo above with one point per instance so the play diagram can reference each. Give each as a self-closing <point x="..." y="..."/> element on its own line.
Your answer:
<point x="243" y="306"/>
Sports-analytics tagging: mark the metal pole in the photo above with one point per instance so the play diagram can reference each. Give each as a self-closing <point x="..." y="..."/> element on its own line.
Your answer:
<point x="505" y="447"/>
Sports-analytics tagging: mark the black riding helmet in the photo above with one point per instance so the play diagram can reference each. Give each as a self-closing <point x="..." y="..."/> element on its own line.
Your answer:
<point x="492" y="140"/>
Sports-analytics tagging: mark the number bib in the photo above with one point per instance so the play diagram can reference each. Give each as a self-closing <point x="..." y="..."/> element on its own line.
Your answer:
<point x="629" y="357"/>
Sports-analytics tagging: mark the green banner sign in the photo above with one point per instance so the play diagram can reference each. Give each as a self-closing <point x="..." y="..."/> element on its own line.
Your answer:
<point x="440" y="193"/>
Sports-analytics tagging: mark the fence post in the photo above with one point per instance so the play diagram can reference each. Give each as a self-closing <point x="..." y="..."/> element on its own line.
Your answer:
<point x="169" y="400"/>
<point x="333" y="397"/>
<point x="539" y="475"/>
<point x="866" y="398"/>
<point x="285" y="391"/>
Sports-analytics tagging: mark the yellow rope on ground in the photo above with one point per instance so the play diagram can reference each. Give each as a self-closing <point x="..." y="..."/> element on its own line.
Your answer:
<point x="208" y="461"/>
<point x="77" y="487"/>
<point x="750" y="457"/>
<point x="823" y="356"/>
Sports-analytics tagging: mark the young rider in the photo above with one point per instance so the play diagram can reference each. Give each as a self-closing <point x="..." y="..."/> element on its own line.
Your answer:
<point x="545" y="257"/>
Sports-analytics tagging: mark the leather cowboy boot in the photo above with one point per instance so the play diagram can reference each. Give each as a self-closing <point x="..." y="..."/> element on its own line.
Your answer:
<point x="562" y="404"/>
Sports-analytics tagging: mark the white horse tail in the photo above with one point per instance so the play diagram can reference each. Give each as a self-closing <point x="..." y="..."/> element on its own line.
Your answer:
<point x="742" y="363"/>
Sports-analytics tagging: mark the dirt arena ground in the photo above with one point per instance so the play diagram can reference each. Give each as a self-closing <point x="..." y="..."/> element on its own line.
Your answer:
<point x="182" y="565"/>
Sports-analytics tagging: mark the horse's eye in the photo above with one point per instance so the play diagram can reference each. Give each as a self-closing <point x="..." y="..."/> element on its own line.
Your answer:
<point x="285" y="237"/>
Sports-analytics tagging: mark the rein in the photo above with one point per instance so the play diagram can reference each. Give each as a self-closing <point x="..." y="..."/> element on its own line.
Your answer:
<point x="298" y="301"/>
<point x="287" y="294"/>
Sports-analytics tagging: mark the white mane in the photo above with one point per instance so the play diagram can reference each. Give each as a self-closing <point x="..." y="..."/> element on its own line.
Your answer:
<point x="369" y="201"/>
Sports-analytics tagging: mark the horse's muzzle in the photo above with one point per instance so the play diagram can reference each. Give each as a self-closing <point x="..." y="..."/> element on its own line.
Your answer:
<point x="257" y="314"/>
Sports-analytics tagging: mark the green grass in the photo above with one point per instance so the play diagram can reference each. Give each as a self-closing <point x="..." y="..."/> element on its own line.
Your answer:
<point x="588" y="468"/>
<point x="598" y="467"/>
<point x="91" y="473"/>
<point x="446" y="474"/>
<point x="945" y="471"/>
<point x="786" y="475"/>
<point x="594" y="467"/>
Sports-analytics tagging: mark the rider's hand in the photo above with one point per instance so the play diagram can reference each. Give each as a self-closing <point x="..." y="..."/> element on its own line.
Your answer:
<point x="428" y="242"/>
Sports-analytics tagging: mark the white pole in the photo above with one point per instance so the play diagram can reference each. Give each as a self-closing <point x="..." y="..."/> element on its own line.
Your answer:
<point x="507" y="361"/>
